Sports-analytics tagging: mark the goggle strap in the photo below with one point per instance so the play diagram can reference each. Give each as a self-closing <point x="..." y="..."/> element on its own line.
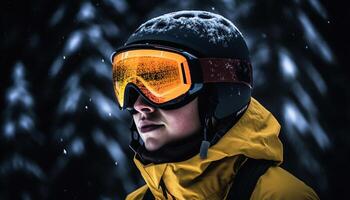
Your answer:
<point x="225" y="70"/>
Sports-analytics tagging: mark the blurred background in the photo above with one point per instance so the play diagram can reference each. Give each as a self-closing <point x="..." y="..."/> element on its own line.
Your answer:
<point x="63" y="137"/>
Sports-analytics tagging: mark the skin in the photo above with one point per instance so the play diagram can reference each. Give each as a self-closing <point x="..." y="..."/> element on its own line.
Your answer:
<point x="176" y="124"/>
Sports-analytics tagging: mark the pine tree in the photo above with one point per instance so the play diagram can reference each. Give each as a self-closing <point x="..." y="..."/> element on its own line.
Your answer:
<point x="92" y="160"/>
<point x="21" y="176"/>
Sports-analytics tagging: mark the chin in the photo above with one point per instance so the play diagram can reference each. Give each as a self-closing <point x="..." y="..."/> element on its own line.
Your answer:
<point x="152" y="145"/>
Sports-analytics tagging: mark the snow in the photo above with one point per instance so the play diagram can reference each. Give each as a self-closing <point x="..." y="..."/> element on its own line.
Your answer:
<point x="316" y="78"/>
<point x="294" y="117"/>
<point x="287" y="64"/>
<point x="100" y="67"/>
<point x="103" y="104"/>
<point x="318" y="7"/>
<point x="296" y="120"/>
<point x="18" y="92"/>
<point x="9" y="129"/>
<point x="121" y="6"/>
<point x="17" y="162"/>
<point x="95" y="33"/>
<point x="87" y="12"/>
<point x="77" y="146"/>
<point x="58" y="15"/>
<point x="72" y="96"/>
<point x="304" y="98"/>
<point x="216" y="27"/>
<point x="319" y="134"/>
<point x="315" y="40"/>
<point x="26" y="122"/>
<point x="95" y="37"/>
<point x="74" y="42"/>
<point x="56" y="67"/>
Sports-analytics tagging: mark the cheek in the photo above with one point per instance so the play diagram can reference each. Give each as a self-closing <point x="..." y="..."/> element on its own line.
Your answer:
<point x="183" y="122"/>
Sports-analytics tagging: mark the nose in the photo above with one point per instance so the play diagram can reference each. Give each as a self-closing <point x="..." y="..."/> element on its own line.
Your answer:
<point x="142" y="106"/>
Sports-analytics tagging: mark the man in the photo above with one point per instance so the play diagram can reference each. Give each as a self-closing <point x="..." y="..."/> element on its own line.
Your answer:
<point x="186" y="78"/>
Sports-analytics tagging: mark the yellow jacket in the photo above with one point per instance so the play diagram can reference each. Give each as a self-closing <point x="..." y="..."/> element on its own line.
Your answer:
<point x="255" y="135"/>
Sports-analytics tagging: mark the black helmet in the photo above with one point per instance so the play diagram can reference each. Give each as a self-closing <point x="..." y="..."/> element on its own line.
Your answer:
<point x="208" y="35"/>
<point x="205" y="35"/>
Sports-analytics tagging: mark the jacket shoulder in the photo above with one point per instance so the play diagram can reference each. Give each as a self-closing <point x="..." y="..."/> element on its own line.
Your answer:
<point x="278" y="183"/>
<point x="138" y="193"/>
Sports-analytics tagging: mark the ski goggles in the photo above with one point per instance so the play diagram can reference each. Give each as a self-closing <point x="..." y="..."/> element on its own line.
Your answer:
<point x="167" y="76"/>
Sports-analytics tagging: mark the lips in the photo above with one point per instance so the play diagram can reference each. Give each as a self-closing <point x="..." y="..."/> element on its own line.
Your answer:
<point x="149" y="127"/>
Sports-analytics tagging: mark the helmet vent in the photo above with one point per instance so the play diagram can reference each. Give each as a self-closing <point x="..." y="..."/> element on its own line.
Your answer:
<point x="185" y="15"/>
<point x="149" y="25"/>
<point x="161" y="25"/>
<point x="204" y="16"/>
<point x="225" y="23"/>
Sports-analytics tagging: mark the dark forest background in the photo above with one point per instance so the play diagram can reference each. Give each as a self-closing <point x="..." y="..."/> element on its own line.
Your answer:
<point x="63" y="137"/>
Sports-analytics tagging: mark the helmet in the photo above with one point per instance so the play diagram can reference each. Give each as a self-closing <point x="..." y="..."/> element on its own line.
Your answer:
<point x="205" y="35"/>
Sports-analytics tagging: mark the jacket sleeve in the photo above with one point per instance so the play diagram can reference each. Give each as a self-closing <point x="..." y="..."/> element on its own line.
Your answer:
<point x="138" y="193"/>
<point x="277" y="183"/>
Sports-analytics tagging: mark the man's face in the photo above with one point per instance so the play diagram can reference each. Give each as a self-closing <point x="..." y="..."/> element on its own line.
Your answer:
<point x="158" y="127"/>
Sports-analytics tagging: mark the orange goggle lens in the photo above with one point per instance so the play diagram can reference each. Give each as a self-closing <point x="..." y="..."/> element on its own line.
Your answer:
<point x="160" y="75"/>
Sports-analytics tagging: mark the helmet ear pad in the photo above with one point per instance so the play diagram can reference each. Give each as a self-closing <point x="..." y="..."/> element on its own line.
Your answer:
<point x="221" y="100"/>
<point x="231" y="99"/>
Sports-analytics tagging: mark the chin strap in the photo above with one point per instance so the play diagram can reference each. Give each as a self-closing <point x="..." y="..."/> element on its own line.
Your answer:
<point x="203" y="152"/>
<point x="206" y="107"/>
<point x="214" y="135"/>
